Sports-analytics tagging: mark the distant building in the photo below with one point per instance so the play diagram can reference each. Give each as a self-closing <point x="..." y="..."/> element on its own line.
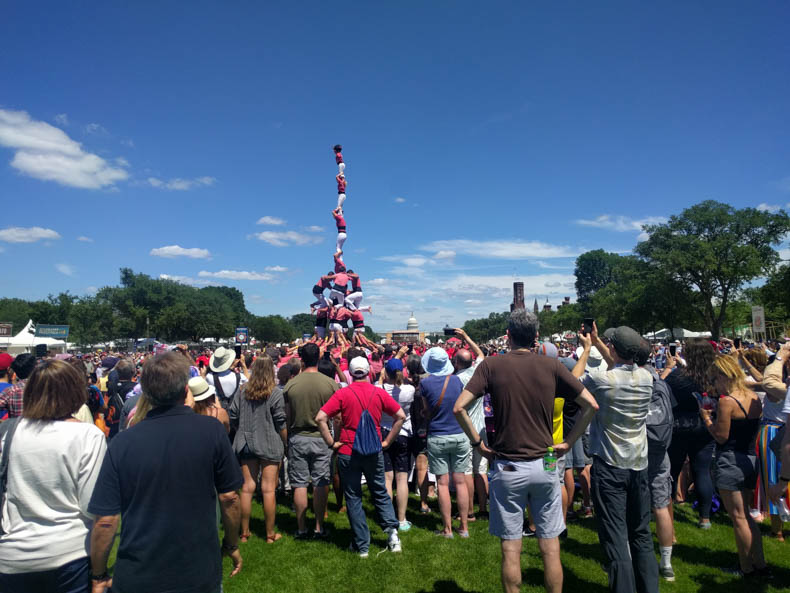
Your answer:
<point x="546" y="305"/>
<point x="535" y="307"/>
<point x="518" y="296"/>
<point x="566" y="301"/>
<point x="410" y="335"/>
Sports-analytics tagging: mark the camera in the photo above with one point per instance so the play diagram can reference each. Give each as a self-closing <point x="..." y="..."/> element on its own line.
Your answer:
<point x="449" y="331"/>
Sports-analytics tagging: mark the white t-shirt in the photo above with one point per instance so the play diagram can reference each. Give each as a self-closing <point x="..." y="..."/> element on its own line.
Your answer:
<point x="404" y="395"/>
<point x="228" y="380"/>
<point x="786" y="407"/>
<point x="52" y="469"/>
<point x="475" y="409"/>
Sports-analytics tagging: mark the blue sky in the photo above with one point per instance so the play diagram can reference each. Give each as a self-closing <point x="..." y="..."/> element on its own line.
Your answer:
<point x="484" y="142"/>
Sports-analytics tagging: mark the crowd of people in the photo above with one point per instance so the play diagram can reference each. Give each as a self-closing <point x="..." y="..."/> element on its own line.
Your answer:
<point x="162" y="444"/>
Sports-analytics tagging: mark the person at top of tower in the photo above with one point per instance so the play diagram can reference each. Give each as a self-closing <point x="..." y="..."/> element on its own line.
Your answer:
<point x="341" y="228"/>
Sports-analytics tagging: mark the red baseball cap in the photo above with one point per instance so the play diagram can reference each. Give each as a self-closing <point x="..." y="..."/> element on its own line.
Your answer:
<point x="5" y="361"/>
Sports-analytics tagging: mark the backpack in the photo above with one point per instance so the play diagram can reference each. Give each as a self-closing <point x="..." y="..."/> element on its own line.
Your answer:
<point x="223" y="399"/>
<point x="659" y="419"/>
<point x="366" y="439"/>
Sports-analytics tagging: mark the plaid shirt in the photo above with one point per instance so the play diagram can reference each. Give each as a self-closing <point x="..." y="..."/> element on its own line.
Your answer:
<point x="11" y="399"/>
<point x="618" y="434"/>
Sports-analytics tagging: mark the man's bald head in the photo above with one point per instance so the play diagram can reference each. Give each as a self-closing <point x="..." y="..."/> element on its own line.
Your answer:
<point x="462" y="360"/>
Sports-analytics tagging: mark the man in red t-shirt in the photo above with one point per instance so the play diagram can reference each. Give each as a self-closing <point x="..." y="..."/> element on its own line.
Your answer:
<point x="350" y="402"/>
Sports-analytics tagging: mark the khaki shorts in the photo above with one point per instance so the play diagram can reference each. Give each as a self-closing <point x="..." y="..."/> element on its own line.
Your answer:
<point x="449" y="453"/>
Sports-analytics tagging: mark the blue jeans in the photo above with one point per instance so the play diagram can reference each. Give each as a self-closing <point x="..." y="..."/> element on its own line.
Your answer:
<point x="74" y="577"/>
<point x="351" y="468"/>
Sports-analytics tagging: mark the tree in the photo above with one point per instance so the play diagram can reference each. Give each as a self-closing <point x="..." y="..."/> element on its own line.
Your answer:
<point x="303" y="323"/>
<point x="594" y="270"/>
<point x="715" y="249"/>
<point x="487" y="328"/>
<point x="15" y="311"/>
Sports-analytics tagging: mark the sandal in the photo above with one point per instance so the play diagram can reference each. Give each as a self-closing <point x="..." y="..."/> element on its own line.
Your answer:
<point x="270" y="539"/>
<point x="244" y="537"/>
<point x="778" y="536"/>
<point x="443" y="534"/>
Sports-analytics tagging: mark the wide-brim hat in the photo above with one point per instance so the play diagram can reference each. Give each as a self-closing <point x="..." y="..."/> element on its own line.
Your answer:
<point x="200" y="389"/>
<point x="222" y="359"/>
<point x="436" y="361"/>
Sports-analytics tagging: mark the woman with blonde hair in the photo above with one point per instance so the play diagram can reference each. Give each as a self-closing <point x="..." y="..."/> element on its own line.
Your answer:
<point x="734" y="466"/>
<point x="258" y="414"/>
<point x="53" y="464"/>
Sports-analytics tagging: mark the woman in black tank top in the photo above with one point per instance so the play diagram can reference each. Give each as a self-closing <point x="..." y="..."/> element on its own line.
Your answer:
<point x="735" y="463"/>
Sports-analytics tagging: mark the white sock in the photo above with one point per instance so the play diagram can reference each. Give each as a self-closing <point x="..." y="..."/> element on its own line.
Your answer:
<point x="666" y="556"/>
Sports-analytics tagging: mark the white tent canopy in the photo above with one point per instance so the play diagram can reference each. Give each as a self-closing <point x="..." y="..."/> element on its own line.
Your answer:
<point x="26" y="341"/>
<point x="679" y="332"/>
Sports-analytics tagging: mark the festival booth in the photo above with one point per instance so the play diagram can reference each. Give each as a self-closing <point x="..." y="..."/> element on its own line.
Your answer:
<point x="26" y="341"/>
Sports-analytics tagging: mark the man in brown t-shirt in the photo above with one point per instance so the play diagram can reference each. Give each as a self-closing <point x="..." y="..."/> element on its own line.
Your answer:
<point x="523" y="386"/>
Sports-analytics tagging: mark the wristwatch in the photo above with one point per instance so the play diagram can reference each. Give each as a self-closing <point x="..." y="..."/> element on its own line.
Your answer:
<point x="100" y="577"/>
<point x="229" y="548"/>
<point x="478" y="443"/>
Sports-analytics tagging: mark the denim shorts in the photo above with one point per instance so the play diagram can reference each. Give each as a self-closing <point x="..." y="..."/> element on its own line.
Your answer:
<point x="576" y="458"/>
<point x="397" y="458"/>
<point x="449" y="453"/>
<point x="515" y="483"/>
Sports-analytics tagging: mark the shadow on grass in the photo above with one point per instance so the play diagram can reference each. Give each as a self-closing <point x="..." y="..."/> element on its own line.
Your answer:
<point x="533" y="576"/>
<point x="446" y="587"/>
<point x="708" y="583"/>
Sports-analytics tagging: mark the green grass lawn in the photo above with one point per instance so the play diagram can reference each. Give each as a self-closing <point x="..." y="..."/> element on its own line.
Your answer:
<point x="432" y="564"/>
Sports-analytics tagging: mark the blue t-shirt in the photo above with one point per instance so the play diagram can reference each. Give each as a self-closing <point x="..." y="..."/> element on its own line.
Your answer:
<point x="3" y="386"/>
<point x="163" y="476"/>
<point x="442" y="419"/>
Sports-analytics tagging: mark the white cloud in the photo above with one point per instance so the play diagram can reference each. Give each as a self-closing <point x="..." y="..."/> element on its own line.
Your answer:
<point x="178" y="184"/>
<point x="505" y="249"/>
<point x="444" y="254"/>
<point x="122" y="162"/>
<point x="183" y="279"/>
<point x="315" y="228"/>
<point x="271" y="220"/>
<point x="473" y="302"/>
<point x="61" y="119"/>
<point x="772" y="208"/>
<point x="643" y="236"/>
<point x="95" y="129"/>
<point x="622" y="224"/>
<point x="128" y="142"/>
<point x="235" y="275"/>
<point x="85" y="239"/>
<point x="16" y="234"/>
<point x="553" y="284"/>
<point x="178" y="251"/>
<point x="46" y="152"/>
<point x="784" y="254"/>
<point x="65" y="269"/>
<point x="276" y="269"/>
<point x="547" y="266"/>
<point x="376" y="282"/>
<point x="91" y="289"/>
<point x="400" y="200"/>
<point x="287" y="238"/>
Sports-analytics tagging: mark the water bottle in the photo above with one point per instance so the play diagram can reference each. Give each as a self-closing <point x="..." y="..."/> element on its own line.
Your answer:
<point x="784" y="512"/>
<point x="707" y="402"/>
<point x="550" y="460"/>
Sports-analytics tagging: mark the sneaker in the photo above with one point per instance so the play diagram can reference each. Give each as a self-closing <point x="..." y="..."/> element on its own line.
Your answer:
<point x="393" y="542"/>
<point x="704" y="524"/>
<point x="352" y="548"/>
<point x="667" y="573"/>
<point x="527" y="531"/>
<point x="363" y="554"/>
<point x="302" y="535"/>
<point x="404" y="526"/>
<point x="324" y="534"/>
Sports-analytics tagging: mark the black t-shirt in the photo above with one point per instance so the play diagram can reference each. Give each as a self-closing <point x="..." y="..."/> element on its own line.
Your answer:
<point x="162" y="476"/>
<point x="683" y="388"/>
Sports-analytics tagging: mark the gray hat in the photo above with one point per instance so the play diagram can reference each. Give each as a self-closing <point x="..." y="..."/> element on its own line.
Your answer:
<point x="609" y="333"/>
<point x="626" y="342"/>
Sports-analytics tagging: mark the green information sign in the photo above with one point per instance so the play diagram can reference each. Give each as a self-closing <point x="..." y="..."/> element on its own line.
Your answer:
<point x="59" y="332"/>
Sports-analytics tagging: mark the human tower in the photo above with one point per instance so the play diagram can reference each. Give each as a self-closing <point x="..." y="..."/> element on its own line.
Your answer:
<point x="338" y="294"/>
